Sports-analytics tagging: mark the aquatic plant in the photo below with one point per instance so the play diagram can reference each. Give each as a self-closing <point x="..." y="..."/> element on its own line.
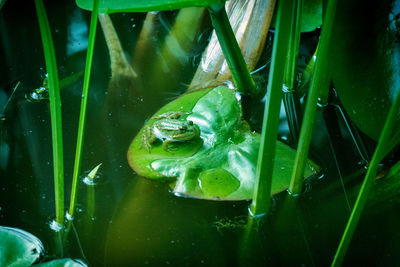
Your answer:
<point x="220" y="162"/>
<point x="55" y="110"/>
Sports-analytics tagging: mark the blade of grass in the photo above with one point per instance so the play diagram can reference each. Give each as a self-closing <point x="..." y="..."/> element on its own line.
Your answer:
<point x="240" y="73"/>
<point x="55" y="109"/>
<point x="367" y="184"/>
<point x="82" y="116"/>
<point x="318" y="87"/>
<point x="70" y="79"/>
<point x="262" y="192"/>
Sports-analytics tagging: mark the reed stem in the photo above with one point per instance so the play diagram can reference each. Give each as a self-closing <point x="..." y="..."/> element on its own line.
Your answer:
<point x="237" y="65"/>
<point x="82" y="116"/>
<point x="294" y="44"/>
<point x="367" y="183"/>
<point x="55" y="109"/>
<point x="318" y="87"/>
<point x="290" y="101"/>
<point x="262" y="192"/>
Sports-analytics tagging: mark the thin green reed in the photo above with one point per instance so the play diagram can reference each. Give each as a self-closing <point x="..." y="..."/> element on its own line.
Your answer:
<point x="82" y="116"/>
<point x="55" y="109"/>
<point x="318" y="87"/>
<point x="369" y="179"/>
<point x="226" y="38"/>
<point x="290" y="101"/>
<point x="262" y="192"/>
<point x="294" y="44"/>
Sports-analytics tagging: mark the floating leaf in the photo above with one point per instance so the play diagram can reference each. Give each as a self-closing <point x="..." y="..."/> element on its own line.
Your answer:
<point x="18" y="247"/>
<point x="62" y="263"/>
<point x="364" y="61"/>
<point x="115" y="6"/>
<point x="222" y="163"/>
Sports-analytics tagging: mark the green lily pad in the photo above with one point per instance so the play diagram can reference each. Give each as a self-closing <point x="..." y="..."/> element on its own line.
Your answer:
<point x="139" y="159"/>
<point x="18" y="247"/>
<point x="218" y="182"/>
<point x="364" y="60"/>
<point x="62" y="263"/>
<point x="116" y="6"/>
<point x="221" y="166"/>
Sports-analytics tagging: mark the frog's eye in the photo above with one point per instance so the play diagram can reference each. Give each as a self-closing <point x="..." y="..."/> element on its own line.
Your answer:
<point x="190" y="123"/>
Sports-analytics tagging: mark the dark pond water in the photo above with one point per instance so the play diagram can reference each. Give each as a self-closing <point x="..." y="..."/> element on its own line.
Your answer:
<point x="129" y="220"/>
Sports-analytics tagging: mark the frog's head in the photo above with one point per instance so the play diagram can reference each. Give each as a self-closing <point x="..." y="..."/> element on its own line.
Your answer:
<point x="187" y="131"/>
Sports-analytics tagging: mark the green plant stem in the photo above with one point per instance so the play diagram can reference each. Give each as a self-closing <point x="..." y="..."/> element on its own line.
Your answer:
<point x="294" y="44"/>
<point x="177" y="45"/>
<point x="82" y="116"/>
<point x="90" y="200"/>
<point x="55" y="109"/>
<point x="318" y="87"/>
<point x="290" y="101"/>
<point x="262" y="192"/>
<point x="367" y="184"/>
<point x="70" y="79"/>
<point x="237" y="65"/>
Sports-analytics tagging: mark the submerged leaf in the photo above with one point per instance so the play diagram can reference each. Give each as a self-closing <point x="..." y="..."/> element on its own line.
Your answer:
<point x="62" y="263"/>
<point x="115" y="6"/>
<point x="222" y="163"/>
<point x="18" y="247"/>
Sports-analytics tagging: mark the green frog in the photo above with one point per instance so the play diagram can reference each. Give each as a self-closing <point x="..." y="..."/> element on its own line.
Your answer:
<point x="169" y="129"/>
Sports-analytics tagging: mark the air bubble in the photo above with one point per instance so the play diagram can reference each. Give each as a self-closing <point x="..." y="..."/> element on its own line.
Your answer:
<point x="55" y="226"/>
<point x="89" y="181"/>
<point x="38" y="95"/>
<point x="68" y="216"/>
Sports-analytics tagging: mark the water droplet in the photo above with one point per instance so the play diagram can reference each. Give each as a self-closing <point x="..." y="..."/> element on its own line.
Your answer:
<point x="284" y="138"/>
